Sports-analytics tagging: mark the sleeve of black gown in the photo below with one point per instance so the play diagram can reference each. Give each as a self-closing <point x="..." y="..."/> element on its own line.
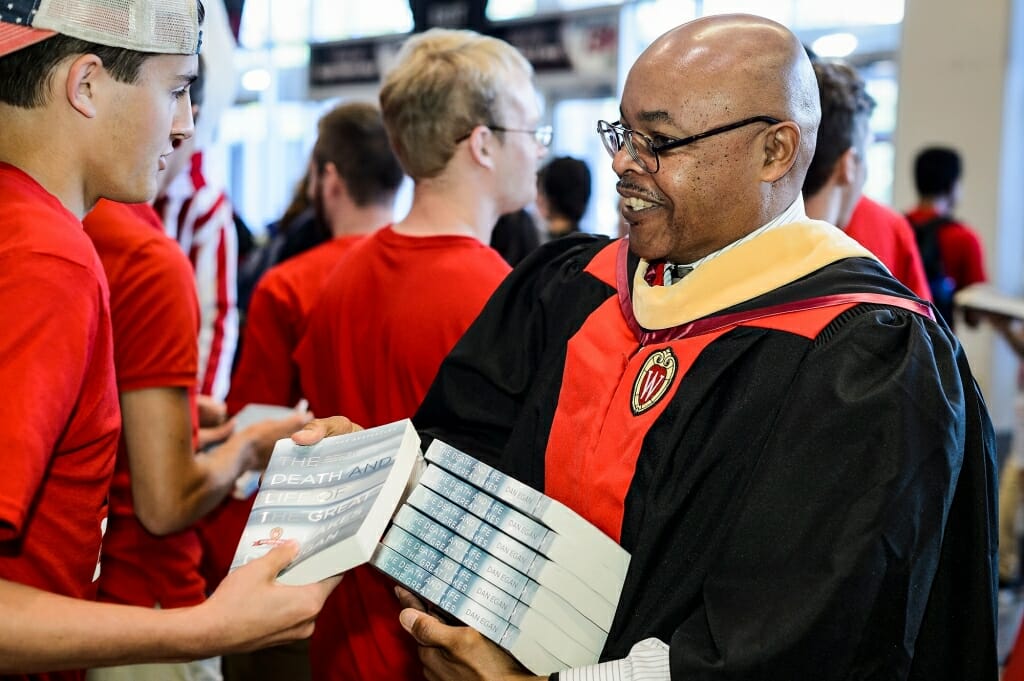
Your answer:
<point x="827" y="568"/>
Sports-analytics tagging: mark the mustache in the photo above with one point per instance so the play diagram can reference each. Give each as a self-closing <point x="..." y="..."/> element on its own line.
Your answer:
<point x="627" y="186"/>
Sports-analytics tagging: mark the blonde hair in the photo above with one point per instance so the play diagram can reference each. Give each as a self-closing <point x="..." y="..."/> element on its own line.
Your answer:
<point x="445" y="83"/>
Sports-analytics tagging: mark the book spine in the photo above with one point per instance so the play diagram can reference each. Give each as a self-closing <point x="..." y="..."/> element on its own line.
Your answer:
<point x="596" y="607"/>
<point x="413" y="527"/>
<point x="428" y="532"/>
<point x="509" y="490"/>
<point x="452" y="601"/>
<point x="473" y="585"/>
<point x="465" y="524"/>
<point x="483" y="505"/>
<point x="533" y="655"/>
<point x="552" y="514"/>
<point x="496" y="599"/>
<point x="432" y="534"/>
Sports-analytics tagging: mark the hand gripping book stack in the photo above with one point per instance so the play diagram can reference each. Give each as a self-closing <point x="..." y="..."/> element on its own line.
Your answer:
<point x="487" y="550"/>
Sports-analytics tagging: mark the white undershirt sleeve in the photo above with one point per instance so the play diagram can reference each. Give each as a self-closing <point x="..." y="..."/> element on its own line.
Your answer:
<point x="647" y="661"/>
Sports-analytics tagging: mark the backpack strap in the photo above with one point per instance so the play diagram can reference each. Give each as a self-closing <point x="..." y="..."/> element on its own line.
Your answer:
<point x="936" y="223"/>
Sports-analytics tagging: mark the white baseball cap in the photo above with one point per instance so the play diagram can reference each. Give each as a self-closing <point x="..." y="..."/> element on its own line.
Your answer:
<point x="156" y="26"/>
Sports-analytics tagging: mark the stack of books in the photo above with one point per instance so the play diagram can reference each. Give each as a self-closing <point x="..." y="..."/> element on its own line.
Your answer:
<point x="491" y="552"/>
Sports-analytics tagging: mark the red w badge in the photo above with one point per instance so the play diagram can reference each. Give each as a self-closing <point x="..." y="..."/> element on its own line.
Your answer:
<point x="653" y="381"/>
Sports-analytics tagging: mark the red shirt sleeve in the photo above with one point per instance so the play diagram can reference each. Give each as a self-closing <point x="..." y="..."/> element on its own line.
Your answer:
<point x="965" y="261"/>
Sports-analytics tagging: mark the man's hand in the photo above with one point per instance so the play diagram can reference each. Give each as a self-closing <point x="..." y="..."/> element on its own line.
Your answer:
<point x="456" y="653"/>
<point x="250" y="610"/>
<point x="318" y="429"/>
<point x="214" y="434"/>
<point x="212" y="412"/>
<point x="260" y="437"/>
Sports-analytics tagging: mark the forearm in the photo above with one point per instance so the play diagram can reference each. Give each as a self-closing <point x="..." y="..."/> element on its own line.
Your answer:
<point x="213" y="477"/>
<point x="172" y="487"/>
<point x="40" y="631"/>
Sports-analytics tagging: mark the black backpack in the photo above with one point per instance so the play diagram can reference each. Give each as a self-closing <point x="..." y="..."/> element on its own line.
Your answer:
<point x="941" y="284"/>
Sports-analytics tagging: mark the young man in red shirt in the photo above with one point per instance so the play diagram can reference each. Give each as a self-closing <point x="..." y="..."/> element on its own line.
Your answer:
<point x="89" y="104"/>
<point x="151" y="551"/>
<point x="401" y="298"/>
<point x="355" y="177"/>
<point x="952" y="250"/>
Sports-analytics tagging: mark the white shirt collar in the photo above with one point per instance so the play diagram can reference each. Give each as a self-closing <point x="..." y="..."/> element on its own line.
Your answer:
<point x="795" y="213"/>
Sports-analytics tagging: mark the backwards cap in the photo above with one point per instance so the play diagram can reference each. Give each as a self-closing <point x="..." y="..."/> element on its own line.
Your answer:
<point x="157" y="26"/>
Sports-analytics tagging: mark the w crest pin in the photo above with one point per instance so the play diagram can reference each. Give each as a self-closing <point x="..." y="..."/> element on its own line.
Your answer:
<point x="653" y="380"/>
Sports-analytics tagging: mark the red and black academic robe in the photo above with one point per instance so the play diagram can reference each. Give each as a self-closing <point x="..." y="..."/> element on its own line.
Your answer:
<point x="806" y="495"/>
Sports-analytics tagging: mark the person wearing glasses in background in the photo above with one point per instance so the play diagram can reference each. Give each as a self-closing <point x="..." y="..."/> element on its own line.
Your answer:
<point x="791" y="448"/>
<point x="463" y="118"/>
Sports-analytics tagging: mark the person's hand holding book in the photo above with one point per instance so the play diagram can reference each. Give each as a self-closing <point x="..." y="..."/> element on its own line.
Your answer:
<point x="457" y="653"/>
<point x="318" y="429"/>
<point x="251" y="609"/>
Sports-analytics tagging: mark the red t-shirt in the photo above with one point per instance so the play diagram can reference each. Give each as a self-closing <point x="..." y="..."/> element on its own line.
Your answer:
<point x="280" y="305"/>
<point x="962" y="255"/>
<point x="266" y="374"/>
<point x="59" y="414"/>
<point x="155" y="318"/>
<point x="888" y="235"/>
<point x="389" y="313"/>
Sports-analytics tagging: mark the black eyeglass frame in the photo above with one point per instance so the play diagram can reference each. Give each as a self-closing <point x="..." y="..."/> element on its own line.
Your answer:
<point x="541" y="130"/>
<point x="626" y="136"/>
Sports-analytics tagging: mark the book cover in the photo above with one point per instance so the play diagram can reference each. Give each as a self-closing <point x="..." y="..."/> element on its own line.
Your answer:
<point x="335" y="498"/>
<point x="249" y="482"/>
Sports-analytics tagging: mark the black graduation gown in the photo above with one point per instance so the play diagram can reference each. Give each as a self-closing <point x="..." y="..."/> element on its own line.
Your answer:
<point x="817" y="506"/>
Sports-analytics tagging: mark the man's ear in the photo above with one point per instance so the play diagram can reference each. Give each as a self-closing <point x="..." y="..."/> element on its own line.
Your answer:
<point x="335" y="188"/>
<point x="330" y="180"/>
<point x="781" y="146"/>
<point x="846" y="167"/>
<point x="84" y="75"/>
<point x="481" y="145"/>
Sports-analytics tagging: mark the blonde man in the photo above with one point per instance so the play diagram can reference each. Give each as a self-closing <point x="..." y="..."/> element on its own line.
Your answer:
<point x="462" y="116"/>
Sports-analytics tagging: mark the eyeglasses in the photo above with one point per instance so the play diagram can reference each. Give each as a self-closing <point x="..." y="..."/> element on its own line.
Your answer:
<point x="643" y="149"/>
<point x="541" y="135"/>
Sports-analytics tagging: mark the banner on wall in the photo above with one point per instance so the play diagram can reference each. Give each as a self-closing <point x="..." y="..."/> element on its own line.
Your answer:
<point x="585" y="43"/>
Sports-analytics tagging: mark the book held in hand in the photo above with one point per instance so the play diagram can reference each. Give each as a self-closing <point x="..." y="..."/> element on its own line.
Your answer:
<point x="335" y="498"/>
<point x="986" y="298"/>
<point x="521" y="568"/>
